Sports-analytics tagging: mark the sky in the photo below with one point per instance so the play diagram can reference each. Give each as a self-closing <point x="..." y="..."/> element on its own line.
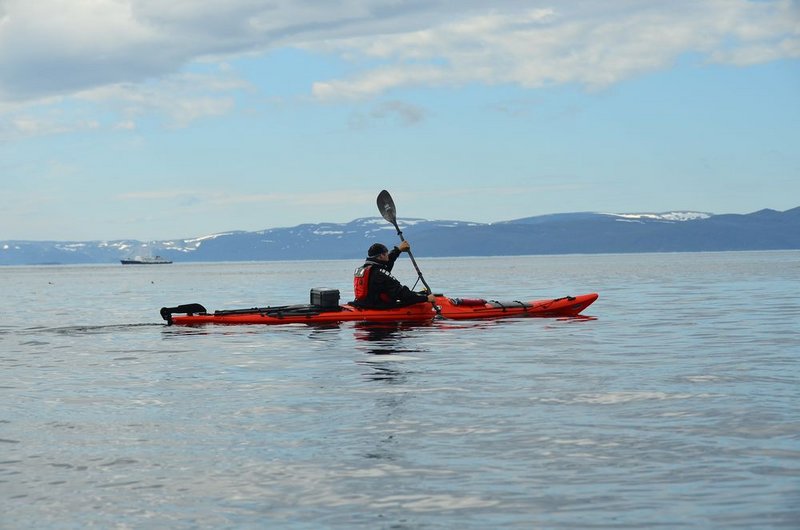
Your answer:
<point x="156" y="120"/>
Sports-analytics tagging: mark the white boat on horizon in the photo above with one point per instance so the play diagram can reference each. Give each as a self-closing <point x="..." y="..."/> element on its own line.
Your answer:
<point x="143" y="260"/>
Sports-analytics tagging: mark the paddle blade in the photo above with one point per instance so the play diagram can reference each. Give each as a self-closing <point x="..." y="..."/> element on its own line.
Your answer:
<point x="386" y="207"/>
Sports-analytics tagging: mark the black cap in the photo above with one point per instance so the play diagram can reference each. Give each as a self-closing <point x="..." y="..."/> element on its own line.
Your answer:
<point x="376" y="250"/>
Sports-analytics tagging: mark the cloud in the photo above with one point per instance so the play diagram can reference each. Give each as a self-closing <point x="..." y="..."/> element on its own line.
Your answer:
<point x="393" y="111"/>
<point x="177" y="100"/>
<point x="180" y="98"/>
<point x="43" y="122"/>
<point x="55" y="47"/>
<point x="541" y="47"/>
<point x="27" y="126"/>
<point x="60" y="48"/>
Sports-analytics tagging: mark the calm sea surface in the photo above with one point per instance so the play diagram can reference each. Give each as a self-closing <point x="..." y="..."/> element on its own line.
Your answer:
<point x="677" y="406"/>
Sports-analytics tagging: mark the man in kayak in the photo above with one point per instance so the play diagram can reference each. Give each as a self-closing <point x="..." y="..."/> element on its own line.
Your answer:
<point x="374" y="284"/>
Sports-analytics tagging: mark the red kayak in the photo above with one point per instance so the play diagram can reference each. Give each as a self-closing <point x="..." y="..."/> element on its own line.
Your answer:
<point x="316" y="313"/>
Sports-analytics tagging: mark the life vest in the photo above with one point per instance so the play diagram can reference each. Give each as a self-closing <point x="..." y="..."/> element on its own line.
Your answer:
<point x="361" y="281"/>
<point x="361" y="286"/>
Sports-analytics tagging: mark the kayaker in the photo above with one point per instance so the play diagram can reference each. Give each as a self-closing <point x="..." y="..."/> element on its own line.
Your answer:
<point x="374" y="284"/>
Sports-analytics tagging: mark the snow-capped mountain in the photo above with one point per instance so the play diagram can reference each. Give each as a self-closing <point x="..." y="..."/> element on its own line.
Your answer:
<point x="567" y="233"/>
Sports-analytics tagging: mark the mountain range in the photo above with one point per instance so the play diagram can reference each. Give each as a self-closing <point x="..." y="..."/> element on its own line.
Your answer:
<point x="567" y="233"/>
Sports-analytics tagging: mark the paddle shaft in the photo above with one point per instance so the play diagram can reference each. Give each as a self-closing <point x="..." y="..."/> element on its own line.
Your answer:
<point x="413" y="261"/>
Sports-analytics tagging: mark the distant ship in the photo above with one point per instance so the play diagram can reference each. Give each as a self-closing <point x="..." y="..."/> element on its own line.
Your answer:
<point x="139" y="260"/>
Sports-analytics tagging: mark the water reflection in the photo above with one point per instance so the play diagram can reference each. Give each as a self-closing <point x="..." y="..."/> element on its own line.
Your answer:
<point x="315" y="331"/>
<point x="383" y="344"/>
<point x="387" y="348"/>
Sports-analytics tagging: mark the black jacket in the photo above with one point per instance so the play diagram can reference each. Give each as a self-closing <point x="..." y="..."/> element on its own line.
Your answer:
<point x="381" y="282"/>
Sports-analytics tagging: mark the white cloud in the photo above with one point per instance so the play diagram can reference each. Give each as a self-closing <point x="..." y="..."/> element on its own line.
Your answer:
<point x="59" y="48"/>
<point x="540" y="47"/>
<point x="181" y="99"/>
<point x="125" y="125"/>
<point x="177" y="99"/>
<point x="19" y="125"/>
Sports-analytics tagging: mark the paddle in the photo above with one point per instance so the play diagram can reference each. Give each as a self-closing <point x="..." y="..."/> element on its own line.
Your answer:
<point x="387" y="209"/>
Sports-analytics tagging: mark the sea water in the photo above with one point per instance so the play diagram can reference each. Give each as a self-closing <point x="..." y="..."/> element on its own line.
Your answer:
<point x="676" y="405"/>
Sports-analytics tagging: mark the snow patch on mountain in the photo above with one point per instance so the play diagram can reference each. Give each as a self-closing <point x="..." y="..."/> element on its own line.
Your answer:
<point x="671" y="217"/>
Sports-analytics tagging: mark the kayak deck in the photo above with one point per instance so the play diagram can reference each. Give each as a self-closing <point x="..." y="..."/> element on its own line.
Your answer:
<point x="449" y="308"/>
<point x="567" y="306"/>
